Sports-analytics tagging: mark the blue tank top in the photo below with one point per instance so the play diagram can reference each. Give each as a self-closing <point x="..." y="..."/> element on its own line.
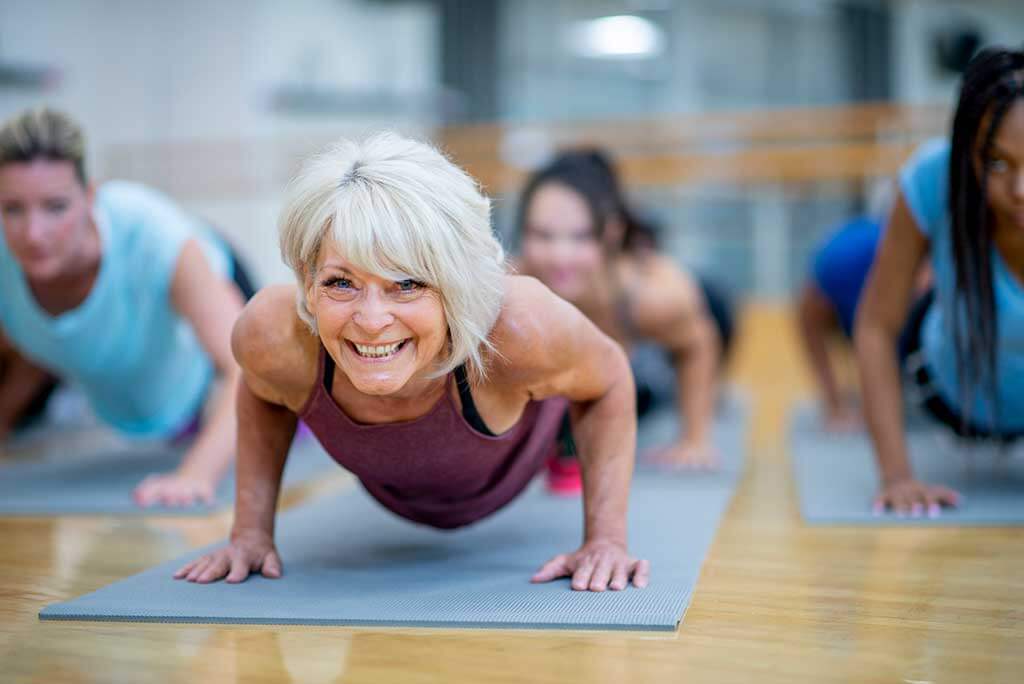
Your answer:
<point x="924" y="182"/>
<point x="138" y="362"/>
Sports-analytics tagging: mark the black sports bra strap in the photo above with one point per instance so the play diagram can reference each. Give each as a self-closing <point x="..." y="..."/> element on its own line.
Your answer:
<point x="469" y="411"/>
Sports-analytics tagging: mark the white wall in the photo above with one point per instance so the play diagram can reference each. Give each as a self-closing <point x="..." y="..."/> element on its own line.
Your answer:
<point x="915" y="77"/>
<point x="150" y="74"/>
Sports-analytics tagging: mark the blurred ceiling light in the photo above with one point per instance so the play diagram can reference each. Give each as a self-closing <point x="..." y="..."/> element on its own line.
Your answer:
<point x="623" y="36"/>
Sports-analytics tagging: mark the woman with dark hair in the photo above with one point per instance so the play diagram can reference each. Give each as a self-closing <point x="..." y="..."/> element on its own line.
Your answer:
<point x="579" y="236"/>
<point x="962" y="203"/>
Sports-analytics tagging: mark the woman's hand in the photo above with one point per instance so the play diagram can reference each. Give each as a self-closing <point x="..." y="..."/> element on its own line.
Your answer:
<point x="686" y="455"/>
<point x="913" y="498"/>
<point x="596" y="566"/>
<point x="178" y="489"/>
<point x="246" y="553"/>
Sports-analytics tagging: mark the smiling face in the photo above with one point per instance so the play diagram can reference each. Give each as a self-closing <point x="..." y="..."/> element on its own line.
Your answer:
<point x="46" y="215"/>
<point x="383" y="334"/>
<point x="560" y="246"/>
<point x="1005" y="169"/>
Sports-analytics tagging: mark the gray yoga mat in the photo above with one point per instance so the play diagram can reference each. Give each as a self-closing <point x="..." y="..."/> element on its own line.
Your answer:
<point x="837" y="479"/>
<point x="349" y="562"/>
<point x="97" y="473"/>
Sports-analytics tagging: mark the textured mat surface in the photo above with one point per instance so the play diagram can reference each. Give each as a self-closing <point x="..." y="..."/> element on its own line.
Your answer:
<point x="837" y="479"/>
<point x="349" y="562"/>
<point x="95" y="473"/>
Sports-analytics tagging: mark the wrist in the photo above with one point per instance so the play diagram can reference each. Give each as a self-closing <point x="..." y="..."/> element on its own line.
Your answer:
<point x="891" y="476"/>
<point x="251" y="532"/>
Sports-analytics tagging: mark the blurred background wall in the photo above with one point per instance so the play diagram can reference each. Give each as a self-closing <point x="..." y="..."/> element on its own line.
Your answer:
<point x="732" y="118"/>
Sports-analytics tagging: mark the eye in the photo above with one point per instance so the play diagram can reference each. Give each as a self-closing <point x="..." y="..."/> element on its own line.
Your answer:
<point x="998" y="165"/>
<point x="55" y="206"/>
<point x="336" y="282"/>
<point x="409" y="285"/>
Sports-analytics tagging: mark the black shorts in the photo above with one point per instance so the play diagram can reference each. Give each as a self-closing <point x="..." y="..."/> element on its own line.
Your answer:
<point x="917" y="373"/>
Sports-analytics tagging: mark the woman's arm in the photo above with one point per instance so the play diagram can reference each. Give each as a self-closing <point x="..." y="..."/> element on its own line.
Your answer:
<point x="817" y="318"/>
<point x="275" y="375"/>
<point x="881" y="315"/>
<point x="670" y="310"/>
<point x="550" y="349"/>
<point x="21" y="381"/>
<point x="211" y="304"/>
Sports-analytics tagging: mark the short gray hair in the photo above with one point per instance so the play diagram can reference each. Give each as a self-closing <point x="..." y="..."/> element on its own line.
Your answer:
<point x="399" y="209"/>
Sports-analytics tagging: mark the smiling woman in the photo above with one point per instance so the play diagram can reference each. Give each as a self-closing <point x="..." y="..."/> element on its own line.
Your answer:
<point x="421" y="365"/>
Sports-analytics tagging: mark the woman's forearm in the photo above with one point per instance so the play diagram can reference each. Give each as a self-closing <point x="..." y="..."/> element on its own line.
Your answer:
<point x="212" y="452"/>
<point x="883" y="403"/>
<point x="20" y="383"/>
<point x="697" y="377"/>
<point x="812" y="333"/>
<point x="264" y="438"/>
<point x="605" y="432"/>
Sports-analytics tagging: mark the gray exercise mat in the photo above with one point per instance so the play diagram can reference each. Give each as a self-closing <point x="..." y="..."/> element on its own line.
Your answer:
<point x="349" y="562"/>
<point x="837" y="480"/>
<point x="98" y="473"/>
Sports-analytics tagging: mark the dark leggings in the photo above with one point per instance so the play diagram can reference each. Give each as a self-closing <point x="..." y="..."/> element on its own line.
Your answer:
<point x="933" y="403"/>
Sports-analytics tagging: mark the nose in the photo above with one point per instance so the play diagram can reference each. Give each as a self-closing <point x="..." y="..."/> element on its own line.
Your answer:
<point x="373" y="314"/>
<point x="1017" y="185"/>
<point x="35" y="229"/>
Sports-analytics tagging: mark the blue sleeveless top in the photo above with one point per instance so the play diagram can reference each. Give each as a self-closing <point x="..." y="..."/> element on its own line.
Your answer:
<point x="924" y="182"/>
<point x="135" y="358"/>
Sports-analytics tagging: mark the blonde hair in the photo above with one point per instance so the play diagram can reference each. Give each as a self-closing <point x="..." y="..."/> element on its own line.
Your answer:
<point x="43" y="134"/>
<point x="398" y="208"/>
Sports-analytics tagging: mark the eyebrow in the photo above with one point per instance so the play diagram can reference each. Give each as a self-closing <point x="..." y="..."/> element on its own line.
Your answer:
<point x="335" y="267"/>
<point x="1000" y="150"/>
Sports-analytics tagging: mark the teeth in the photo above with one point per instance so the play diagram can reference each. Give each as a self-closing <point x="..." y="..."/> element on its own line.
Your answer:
<point x="376" y="350"/>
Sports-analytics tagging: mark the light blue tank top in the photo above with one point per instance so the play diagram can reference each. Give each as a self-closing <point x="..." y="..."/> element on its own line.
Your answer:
<point x="924" y="181"/>
<point x="138" y="362"/>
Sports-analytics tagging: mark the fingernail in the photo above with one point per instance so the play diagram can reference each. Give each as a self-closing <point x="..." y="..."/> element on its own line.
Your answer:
<point x="933" y="511"/>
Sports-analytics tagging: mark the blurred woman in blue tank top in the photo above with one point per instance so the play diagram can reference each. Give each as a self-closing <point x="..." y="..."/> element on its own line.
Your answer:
<point x="961" y="205"/>
<point x="118" y="291"/>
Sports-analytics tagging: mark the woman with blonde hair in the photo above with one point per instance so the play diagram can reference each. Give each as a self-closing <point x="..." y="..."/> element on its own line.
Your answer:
<point x="421" y="365"/>
<point x="117" y="290"/>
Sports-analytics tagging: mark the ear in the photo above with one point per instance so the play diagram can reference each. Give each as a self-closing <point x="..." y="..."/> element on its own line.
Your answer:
<point x="90" y="194"/>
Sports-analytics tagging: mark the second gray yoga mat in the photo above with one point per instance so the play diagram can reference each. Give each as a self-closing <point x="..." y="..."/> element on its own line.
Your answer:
<point x="837" y="479"/>
<point x="349" y="562"/>
<point x="98" y="473"/>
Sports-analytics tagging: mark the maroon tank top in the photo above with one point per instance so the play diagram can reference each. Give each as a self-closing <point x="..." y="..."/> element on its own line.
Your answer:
<point x="435" y="469"/>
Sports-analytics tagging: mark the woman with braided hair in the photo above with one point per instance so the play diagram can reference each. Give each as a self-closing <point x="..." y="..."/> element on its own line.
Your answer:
<point x="961" y="203"/>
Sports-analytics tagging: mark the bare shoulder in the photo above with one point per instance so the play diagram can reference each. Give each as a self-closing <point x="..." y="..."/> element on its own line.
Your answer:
<point x="536" y="331"/>
<point x="274" y="347"/>
<point x="661" y="293"/>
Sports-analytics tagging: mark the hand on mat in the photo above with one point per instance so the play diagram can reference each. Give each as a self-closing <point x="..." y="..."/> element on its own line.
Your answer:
<point x="174" y="489"/>
<point x="596" y="566"/>
<point x="685" y="455"/>
<point x="245" y="554"/>
<point x="843" y="419"/>
<point x="913" y="498"/>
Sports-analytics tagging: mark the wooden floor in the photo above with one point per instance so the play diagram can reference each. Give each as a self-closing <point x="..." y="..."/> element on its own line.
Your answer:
<point x="777" y="601"/>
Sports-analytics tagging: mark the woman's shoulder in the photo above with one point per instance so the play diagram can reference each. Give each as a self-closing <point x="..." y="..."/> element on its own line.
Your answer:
<point x="531" y="315"/>
<point x="660" y="291"/>
<point x="273" y="345"/>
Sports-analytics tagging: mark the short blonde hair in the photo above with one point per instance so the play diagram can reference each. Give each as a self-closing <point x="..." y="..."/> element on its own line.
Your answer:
<point x="399" y="209"/>
<point x="43" y="134"/>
